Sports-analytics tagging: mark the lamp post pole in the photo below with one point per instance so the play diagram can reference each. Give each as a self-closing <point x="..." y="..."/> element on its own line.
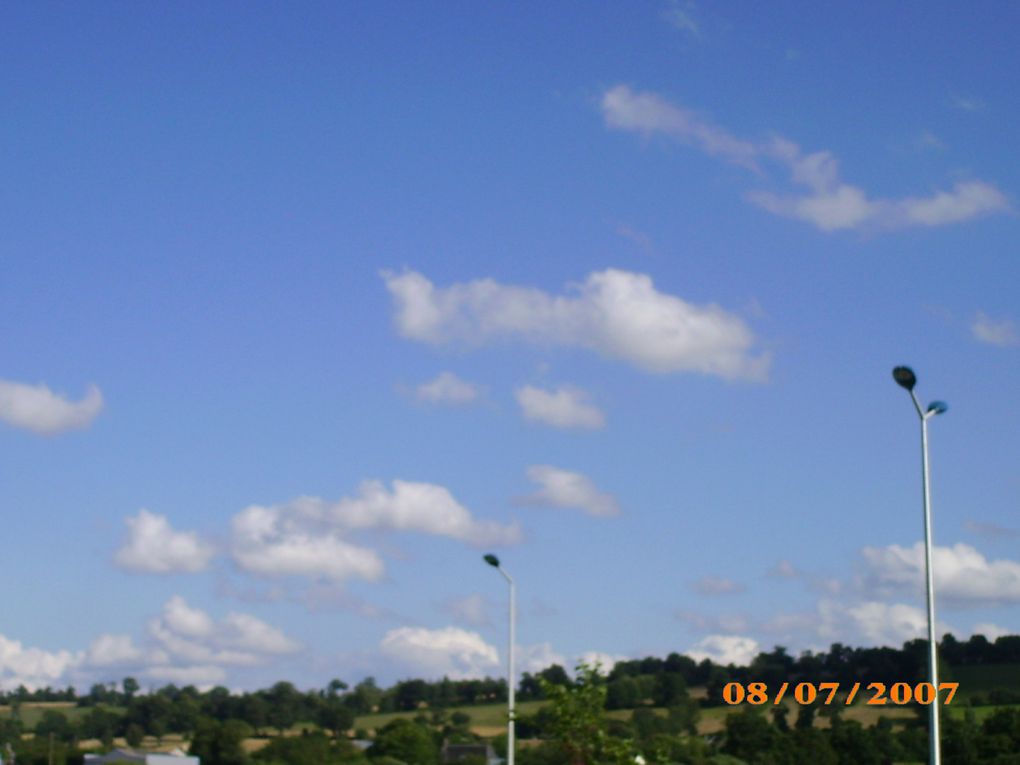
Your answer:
<point x="493" y="561"/>
<point x="906" y="378"/>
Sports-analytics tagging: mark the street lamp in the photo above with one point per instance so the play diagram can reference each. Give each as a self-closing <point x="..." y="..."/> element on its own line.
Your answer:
<point x="905" y="378"/>
<point x="493" y="561"/>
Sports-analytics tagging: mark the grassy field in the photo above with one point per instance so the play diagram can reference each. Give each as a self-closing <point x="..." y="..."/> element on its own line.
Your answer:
<point x="32" y="711"/>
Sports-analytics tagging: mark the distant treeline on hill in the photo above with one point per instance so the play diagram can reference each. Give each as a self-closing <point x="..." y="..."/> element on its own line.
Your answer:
<point x="629" y="683"/>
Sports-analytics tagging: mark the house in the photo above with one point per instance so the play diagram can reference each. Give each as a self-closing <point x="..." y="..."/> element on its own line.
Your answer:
<point x="175" y="757"/>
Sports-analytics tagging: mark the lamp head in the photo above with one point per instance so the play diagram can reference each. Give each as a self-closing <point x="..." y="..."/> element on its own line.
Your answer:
<point x="905" y="377"/>
<point x="937" y="407"/>
<point x="491" y="559"/>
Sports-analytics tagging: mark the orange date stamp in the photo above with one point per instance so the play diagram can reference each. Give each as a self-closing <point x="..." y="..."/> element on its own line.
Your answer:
<point x="873" y="694"/>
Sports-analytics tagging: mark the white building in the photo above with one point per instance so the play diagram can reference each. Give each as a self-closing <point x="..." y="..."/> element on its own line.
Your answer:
<point x="176" y="757"/>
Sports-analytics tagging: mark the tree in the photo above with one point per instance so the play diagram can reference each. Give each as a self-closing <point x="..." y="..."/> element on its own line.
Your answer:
<point x="56" y="724"/>
<point x="130" y="686"/>
<point x="749" y="734"/>
<point x="217" y="743"/>
<point x="284" y="705"/>
<point x="579" y="719"/>
<point x="134" y="735"/>
<point x="404" y="740"/>
<point x="334" y="716"/>
<point x="313" y="749"/>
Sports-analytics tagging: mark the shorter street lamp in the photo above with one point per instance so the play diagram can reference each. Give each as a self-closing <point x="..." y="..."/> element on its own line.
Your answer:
<point x="905" y="378"/>
<point x="493" y="561"/>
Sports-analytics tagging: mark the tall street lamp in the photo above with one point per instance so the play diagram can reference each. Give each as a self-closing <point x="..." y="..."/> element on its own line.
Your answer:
<point x="493" y="561"/>
<point x="905" y="378"/>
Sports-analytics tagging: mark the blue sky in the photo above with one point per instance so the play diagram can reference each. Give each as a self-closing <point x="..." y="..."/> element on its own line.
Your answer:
<point x="306" y="308"/>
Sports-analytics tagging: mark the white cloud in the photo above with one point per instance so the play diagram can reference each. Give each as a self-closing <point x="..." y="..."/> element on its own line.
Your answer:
<point x="725" y="649"/>
<point x="829" y="203"/>
<point x="888" y="624"/>
<point x="190" y="637"/>
<point x="991" y="631"/>
<point x="182" y="645"/>
<point x="606" y="661"/>
<point x="987" y="330"/>
<point x="275" y="541"/>
<point x="565" y="408"/>
<point x="154" y="547"/>
<point x="682" y="17"/>
<point x="113" y="650"/>
<point x="563" y="488"/>
<point x="967" y="200"/>
<point x="618" y="314"/>
<point x="447" y="388"/>
<point x="421" y="507"/>
<point x="37" y="408"/>
<point x="963" y="576"/>
<point x="535" y="658"/>
<point x="308" y="536"/>
<point x="717" y="585"/>
<point x="450" y="652"/>
<point x="647" y="113"/>
<point x="33" y="667"/>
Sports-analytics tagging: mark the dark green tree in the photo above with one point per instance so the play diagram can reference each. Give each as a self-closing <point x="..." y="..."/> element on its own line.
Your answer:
<point x="406" y="741"/>
<point x="220" y="743"/>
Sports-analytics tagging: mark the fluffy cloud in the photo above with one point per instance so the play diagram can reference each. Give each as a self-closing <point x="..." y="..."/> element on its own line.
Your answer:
<point x="447" y="388"/>
<point x="563" y="488"/>
<point x="309" y="536"/>
<point x="277" y="541"/>
<point x="535" y="658"/>
<point x="618" y="314"/>
<point x="421" y="507"/>
<point x="37" y="408"/>
<point x="963" y="576"/>
<point x="33" y="667"/>
<point x="181" y="645"/>
<point x="987" y="330"/>
<point x="606" y="661"/>
<point x="725" y="649"/>
<point x="154" y="547"/>
<point x="113" y="650"/>
<point x="566" y="408"/>
<point x="190" y="637"/>
<point x="826" y="202"/>
<point x="447" y="652"/>
<point x="991" y="631"/>
<point x="888" y="624"/>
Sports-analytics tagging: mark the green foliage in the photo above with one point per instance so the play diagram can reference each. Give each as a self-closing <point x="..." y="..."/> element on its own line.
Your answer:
<point x="219" y="743"/>
<point x="56" y="724"/>
<point x="313" y="749"/>
<point x="333" y="715"/>
<point x="134" y="735"/>
<point x="579" y="719"/>
<point x="406" y="741"/>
